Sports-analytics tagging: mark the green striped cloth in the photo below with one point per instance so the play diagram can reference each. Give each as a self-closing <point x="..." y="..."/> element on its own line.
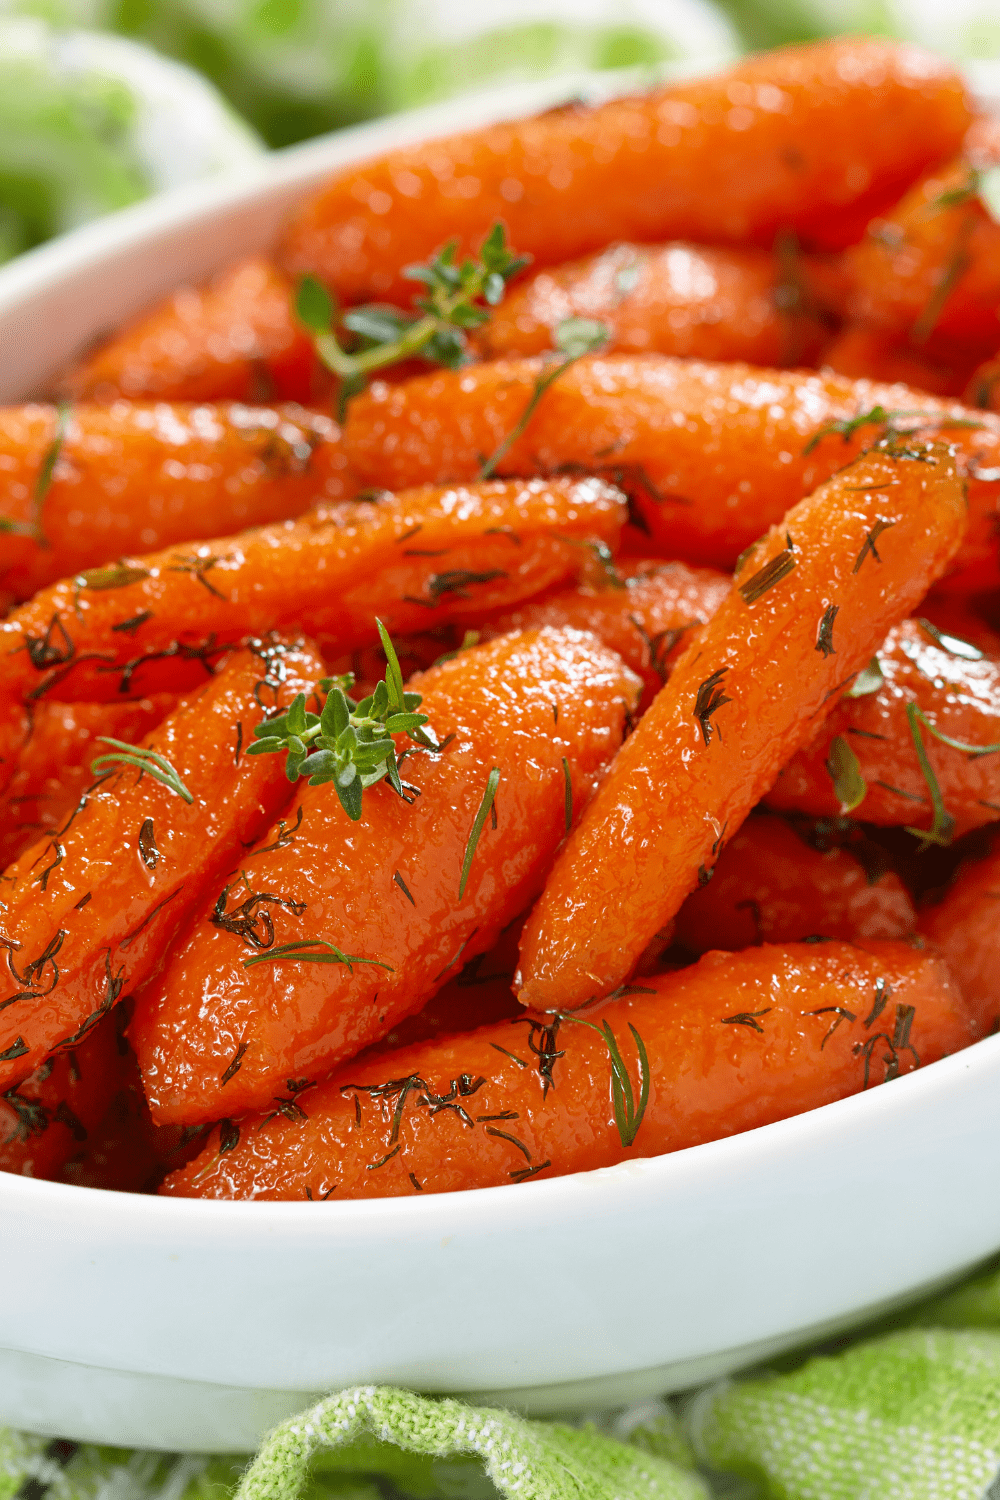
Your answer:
<point x="912" y="1413"/>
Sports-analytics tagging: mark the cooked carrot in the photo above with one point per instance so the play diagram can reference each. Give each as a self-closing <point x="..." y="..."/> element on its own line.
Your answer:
<point x="964" y="618"/>
<point x="674" y="299"/>
<point x="15" y="723"/>
<point x="646" y="610"/>
<point x="869" y="354"/>
<point x="791" y="139"/>
<point x="83" y="486"/>
<point x="89" y="915"/>
<point x="813" y="600"/>
<point x="964" y="928"/>
<point x="52" y="764"/>
<point x="528" y="723"/>
<point x="232" y="339"/>
<point x="424" y="557"/>
<point x="53" y="1112"/>
<point x="710" y="454"/>
<point x="773" y="885"/>
<point x="734" y="1042"/>
<point x="983" y="389"/>
<point x="928" y="683"/>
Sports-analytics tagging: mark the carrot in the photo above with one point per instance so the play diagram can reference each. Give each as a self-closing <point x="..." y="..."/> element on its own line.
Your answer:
<point x="425" y="883"/>
<point x="878" y="755"/>
<point x="792" y="139"/>
<point x="812" y="602"/>
<point x="52" y="768"/>
<point x="675" y="299"/>
<point x="645" y="609"/>
<point x="15" y="724"/>
<point x="773" y="885"/>
<point x="869" y="354"/>
<point x="711" y="455"/>
<point x="423" y="557"/>
<point x="963" y="927"/>
<point x="983" y="388"/>
<point x="232" y="339"/>
<point x="89" y="916"/>
<point x="734" y="1042"/>
<point x="50" y="1114"/>
<point x="81" y="486"/>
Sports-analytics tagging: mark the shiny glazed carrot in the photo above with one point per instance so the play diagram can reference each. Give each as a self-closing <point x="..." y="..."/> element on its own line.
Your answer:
<point x="87" y="486"/>
<point x="734" y="1042"/>
<point x="772" y="885"/>
<point x="646" y="610"/>
<point x="681" y="299"/>
<point x="869" y="354"/>
<point x="791" y="139"/>
<point x="956" y="688"/>
<point x="811" y="603"/>
<point x="90" y="914"/>
<point x="963" y="927"/>
<point x="530" y="721"/>
<point x="710" y="454"/>
<point x="231" y="339"/>
<point x="421" y="558"/>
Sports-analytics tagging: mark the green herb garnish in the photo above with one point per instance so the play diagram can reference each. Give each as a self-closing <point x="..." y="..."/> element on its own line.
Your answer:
<point x="849" y="786"/>
<point x="869" y="680"/>
<point x="314" y="951"/>
<point x="628" y="1116"/>
<point x="492" y="782"/>
<point x="145" y="761"/>
<point x="942" y="829"/>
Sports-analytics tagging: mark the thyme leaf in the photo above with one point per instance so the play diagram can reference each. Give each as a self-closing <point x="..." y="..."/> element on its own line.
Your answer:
<point x="315" y="951"/>
<point x="145" y="761"/>
<point x="628" y="1115"/>
<point x="870" y="540"/>
<point x="849" y="786"/>
<point x="492" y="782"/>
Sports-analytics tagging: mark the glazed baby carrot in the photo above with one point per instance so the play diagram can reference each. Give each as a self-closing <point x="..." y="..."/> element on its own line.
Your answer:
<point x="421" y="558"/>
<point x="963" y="927"/>
<point x="89" y="914"/>
<point x="869" y="354"/>
<point x="317" y="947"/>
<point x="690" y="300"/>
<point x="919" y="746"/>
<point x="14" y="726"/>
<point x="730" y="1044"/>
<point x="82" y="485"/>
<point x="644" y="610"/>
<point x="711" y="455"/>
<point x="792" y="139"/>
<point x="774" y="885"/>
<point x="233" y="339"/>
<point x="812" y="601"/>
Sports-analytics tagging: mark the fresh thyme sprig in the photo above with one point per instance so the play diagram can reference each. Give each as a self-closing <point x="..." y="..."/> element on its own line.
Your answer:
<point x="628" y="1116"/>
<point x="146" y="761"/>
<point x="349" y="743"/>
<point x="384" y="335"/>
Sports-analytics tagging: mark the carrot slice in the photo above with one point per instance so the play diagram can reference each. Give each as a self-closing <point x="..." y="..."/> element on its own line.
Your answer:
<point x="812" y="602"/>
<point x="420" y="558"/>
<point x="89" y="915"/>
<point x="735" y="1042"/>
<point x="82" y="486"/>
<point x="711" y="455"/>
<point x="964" y="928"/>
<point x="773" y="885"/>
<point x="233" y="339"/>
<point x="415" y="889"/>
<point x="791" y="139"/>
<point x="927" y="683"/>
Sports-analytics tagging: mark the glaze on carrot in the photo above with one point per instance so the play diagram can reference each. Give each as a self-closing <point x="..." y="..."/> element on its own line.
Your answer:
<point x="811" y="603"/>
<point x="791" y="139"/>
<point x="528" y="723"/>
<point x="861" y="353"/>
<point x="963" y="927"/>
<point x="422" y="558"/>
<point x="733" y="1043"/>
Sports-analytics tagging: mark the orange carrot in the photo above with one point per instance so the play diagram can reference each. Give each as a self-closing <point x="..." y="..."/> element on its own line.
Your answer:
<point x="423" y="557"/>
<point x="878" y="755"/>
<point x="772" y="885"/>
<point x="812" y="602"/>
<point x="868" y="354"/>
<point x="791" y="139"/>
<point x="733" y="1043"/>
<point x="964" y="928"/>
<point x="81" y="487"/>
<point x="89" y="916"/>
<point x="419" y="886"/>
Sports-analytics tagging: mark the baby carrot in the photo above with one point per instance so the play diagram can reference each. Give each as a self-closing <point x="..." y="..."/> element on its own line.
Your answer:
<point x="791" y="139"/>
<point x="232" y="339"/>
<point x="88" y="915"/>
<point x="82" y="485"/>
<point x="711" y="455"/>
<point x="15" y="724"/>
<point x="812" y="602"/>
<point x="963" y="927"/>
<point x="690" y="300"/>
<point x="418" y="886"/>
<point x="881" y="754"/>
<point x="773" y="885"/>
<point x="869" y="354"/>
<point x="420" y="558"/>
<point x="734" y="1042"/>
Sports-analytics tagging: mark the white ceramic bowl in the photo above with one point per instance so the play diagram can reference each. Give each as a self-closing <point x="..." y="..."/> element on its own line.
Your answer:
<point x="184" y="1324"/>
